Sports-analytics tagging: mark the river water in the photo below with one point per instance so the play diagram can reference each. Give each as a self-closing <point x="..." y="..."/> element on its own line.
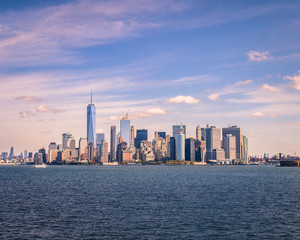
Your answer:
<point x="149" y="202"/>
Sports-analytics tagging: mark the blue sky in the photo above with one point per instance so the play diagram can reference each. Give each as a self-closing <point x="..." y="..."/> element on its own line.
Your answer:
<point x="199" y="62"/>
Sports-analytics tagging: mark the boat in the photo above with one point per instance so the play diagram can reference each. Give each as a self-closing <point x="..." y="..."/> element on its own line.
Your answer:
<point x="43" y="165"/>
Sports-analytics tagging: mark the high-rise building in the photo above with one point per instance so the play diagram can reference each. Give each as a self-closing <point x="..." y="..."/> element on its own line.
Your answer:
<point x="132" y="136"/>
<point x="91" y="123"/>
<point x="213" y="143"/>
<point x="177" y="129"/>
<point x="11" y="153"/>
<point x="213" y="138"/>
<point x="104" y="152"/>
<point x="162" y="135"/>
<point x="91" y="152"/>
<point x="25" y="154"/>
<point x="44" y="156"/>
<point x="125" y="129"/>
<point x="244" y="152"/>
<point x="172" y="147"/>
<point x="203" y="134"/>
<point x="120" y="148"/>
<point x="234" y="131"/>
<point x="229" y="147"/>
<point x="141" y="135"/>
<point x="99" y="138"/>
<point x="113" y="143"/>
<point x="83" y="146"/>
<point x="200" y="151"/>
<point x="190" y="149"/>
<point x="198" y="133"/>
<point x="180" y="144"/>
<point x="66" y="140"/>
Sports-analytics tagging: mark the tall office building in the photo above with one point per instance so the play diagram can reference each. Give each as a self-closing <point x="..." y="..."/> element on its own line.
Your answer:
<point x="213" y="138"/>
<point x="172" y="148"/>
<point x="104" y="152"/>
<point x="244" y="148"/>
<point x="234" y="131"/>
<point x="203" y="134"/>
<point x="198" y="133"/>
<point x="213" y="143"/>
<point x="229" y="145"/>
<point x="11" y="153"/>
<point x="113" y="143"/>
<point x="180" y="144"/>
<point x="91" y="123"/>
<point x="132" y="136"/>
<point x="44" y="156"/>
<point x="66" y="140"/>
<point x="190" y="149"/>
<point x="141" y="135"/>
<point x="162" y="135"/>
<point x="25" y="154"/>
<point x="83" y="147"/>
<point x="99" y="138"/>
<point x="125" y="129"/>
<point x="177" y="129"/>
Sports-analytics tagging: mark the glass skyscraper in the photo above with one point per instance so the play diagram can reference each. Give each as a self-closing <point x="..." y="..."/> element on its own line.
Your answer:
<point x="125" y="130"/>
<point x="91" y="123"/>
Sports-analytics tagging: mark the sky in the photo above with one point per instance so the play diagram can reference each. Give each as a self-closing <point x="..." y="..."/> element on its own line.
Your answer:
<point x="163" y="61"/>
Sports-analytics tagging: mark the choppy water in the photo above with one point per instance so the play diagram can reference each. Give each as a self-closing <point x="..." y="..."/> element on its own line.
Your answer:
<point x="149" y="202"/>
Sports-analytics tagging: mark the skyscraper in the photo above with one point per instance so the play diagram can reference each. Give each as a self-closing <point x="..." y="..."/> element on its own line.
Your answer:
<point x="198" y="133"/>
<point x="190" y="149"/>
<point x="176" y="130"/>
<point x="11" y="153"/>
<point x="141" y="135"/>
<point x="172" y="148"/>
<point x="113" y="143"/>
<point x="99" y="138"/>
<point x="91" y="123"/>
<point x="66" y="139"/>
<point x="162" y="135"/>
<point x="234" y="131"/>
<point x="132" y="136"/>
<point x="213" y="143"/>
<point x="229" y="146"/>
<point x="125" y="130"/>
<point x="180" y="144"/>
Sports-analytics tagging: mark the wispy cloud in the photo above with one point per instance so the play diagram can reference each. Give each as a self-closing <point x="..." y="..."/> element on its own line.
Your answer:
<point x="241" y="83"/>
<point x="261" y="114"/>
<point x="184" y="99"/>
<point x="269" y="88"/>
<point x="295" y="79"/>
<point x="43" y="36"/>
<point x="25" y="114"/>
<point x="140" y="114"/>
<point x="259" y="56"/>
<point x="46" y="108"/>
<point x="195" y="79"/>
<point x="214" y="96"/>
<point x="28" y="99"/>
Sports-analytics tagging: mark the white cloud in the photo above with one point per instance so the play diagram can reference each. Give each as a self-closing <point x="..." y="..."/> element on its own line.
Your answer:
<point x="295" y="79"/>
<point x="140" y="114"/>
<point x="28" y="99"/>
<point x="155" y="111"/>
<point x="241" y="83"/>
<point x="184" y="99"/>
<point x="269" y="88"/>
<point x="25" y="114"/>
<point x="259" y="56"/>
<point x="260" y="114"/>
<point x="46" y="108"/>
<point x="214" y="96"/>
<point x="195" y="79"/>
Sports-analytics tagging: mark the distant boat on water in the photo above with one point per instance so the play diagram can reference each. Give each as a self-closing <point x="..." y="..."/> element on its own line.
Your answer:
<point x="43" y="165"/>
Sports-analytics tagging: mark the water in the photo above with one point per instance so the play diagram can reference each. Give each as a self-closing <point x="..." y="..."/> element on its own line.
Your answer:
<point x="149" y="202"/>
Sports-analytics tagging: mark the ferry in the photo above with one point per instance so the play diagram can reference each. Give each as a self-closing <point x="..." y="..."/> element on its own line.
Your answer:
<point x="43" y="165"/>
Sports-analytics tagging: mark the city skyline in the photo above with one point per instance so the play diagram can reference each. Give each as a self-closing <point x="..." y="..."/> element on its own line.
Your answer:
<point x="166" y="62"/>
